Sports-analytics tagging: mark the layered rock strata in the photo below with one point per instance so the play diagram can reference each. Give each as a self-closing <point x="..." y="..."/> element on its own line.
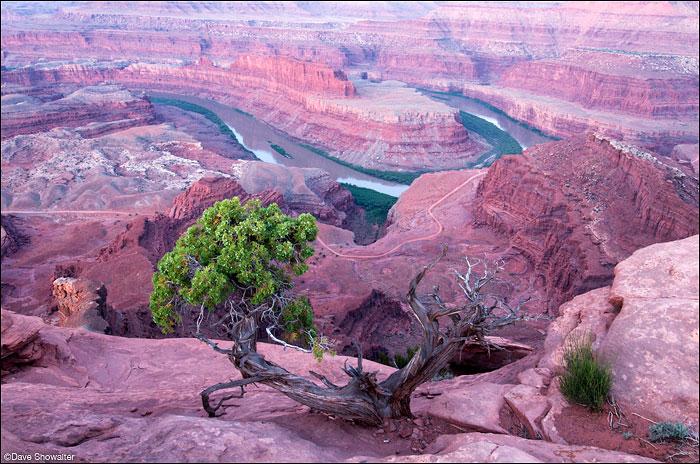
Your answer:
<point x="576" y="208"/>
<point x="608" y="51"/>
<point x="637" y="85"/>
<point x="400" y="128"/>
<point x="81" y="304"/>
<point x="97" y="110"/>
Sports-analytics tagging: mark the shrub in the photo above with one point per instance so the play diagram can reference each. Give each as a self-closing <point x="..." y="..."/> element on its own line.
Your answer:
<point x="668" y="431"/>
<point x="398" y="361"/>
<point x="586" y="379"/>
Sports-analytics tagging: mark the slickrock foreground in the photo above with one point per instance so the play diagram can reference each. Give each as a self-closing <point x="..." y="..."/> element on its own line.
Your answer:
<point x="103" y="398"/>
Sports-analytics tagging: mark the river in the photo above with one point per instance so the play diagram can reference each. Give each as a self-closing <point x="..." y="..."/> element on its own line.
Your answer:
<point x="524" y="136"/>
<point x="258" y="138"/>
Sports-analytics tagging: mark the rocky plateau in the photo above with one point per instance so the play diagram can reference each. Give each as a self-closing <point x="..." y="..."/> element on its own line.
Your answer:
<point x="103" y="169"/>
<point x="636" y="69"/>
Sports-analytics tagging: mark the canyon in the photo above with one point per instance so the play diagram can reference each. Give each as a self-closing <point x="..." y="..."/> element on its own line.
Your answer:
<point x="123" y="122"/>
<point x="497" y="53"/>
<point x="408" y="130"/>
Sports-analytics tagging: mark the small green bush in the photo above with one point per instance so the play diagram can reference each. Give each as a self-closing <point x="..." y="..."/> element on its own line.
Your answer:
<point x="668" y="431"/>
<point x="586" y="380"/>
<point x="398" y="361"/>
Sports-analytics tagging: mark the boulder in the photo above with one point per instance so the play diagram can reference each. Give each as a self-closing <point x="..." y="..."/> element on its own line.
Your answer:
<point x="20" y="340"/>
<point x="471" y="406"/>
<point x="653" y="342"/>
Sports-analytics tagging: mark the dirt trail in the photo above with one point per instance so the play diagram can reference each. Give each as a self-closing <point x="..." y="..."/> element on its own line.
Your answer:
<point x="320" y="240"/>
<point x="426" y="237"/>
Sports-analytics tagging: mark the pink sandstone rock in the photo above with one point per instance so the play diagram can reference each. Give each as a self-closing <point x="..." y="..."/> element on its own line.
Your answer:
<point x="645" y="325"/>
<point x="653" y="342"/>
<point x="20" y="337"/>
<point x="103" y="398"/>
<point x="473" y="406"/>
<point x="482" y="447"/>
<point x="530" y="407"/>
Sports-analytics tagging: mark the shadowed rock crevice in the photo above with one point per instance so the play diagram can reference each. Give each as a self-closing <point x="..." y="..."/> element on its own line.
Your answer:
<point x="381" y="324"/>
<point x="387" y="331"/>
<point x="12" y="236"/>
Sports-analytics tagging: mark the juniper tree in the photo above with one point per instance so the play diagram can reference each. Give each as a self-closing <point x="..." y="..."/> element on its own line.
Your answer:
<point x="235" y="266"/>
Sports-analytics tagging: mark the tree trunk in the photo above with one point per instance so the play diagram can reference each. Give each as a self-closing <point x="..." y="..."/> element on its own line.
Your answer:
<point x="363" y="399"/>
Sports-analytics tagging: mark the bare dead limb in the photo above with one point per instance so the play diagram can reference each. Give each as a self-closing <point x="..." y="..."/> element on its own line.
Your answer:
<point x="214" y="346"/>
<point x="363" y="398"/>
<point x="221" y="386"/>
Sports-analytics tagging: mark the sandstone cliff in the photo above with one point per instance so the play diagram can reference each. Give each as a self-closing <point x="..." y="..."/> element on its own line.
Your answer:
<point x="99" y="110"/>
<point x="639" y="85"/>
<point x="382" y="126"/>
<point x="449" y="47"/>
<point x="576" y="208"/>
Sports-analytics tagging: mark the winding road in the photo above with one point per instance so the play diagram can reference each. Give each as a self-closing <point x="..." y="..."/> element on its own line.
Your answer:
<point x="427" y="237"/>
<point x="320" y="240"/>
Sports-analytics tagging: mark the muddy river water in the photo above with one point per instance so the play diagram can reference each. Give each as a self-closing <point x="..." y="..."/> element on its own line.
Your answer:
<point x="259" y="138"/>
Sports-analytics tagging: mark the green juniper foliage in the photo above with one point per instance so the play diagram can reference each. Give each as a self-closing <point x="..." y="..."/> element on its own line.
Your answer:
<point x="586" y="380"/>
<point x="238" y="259"/>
